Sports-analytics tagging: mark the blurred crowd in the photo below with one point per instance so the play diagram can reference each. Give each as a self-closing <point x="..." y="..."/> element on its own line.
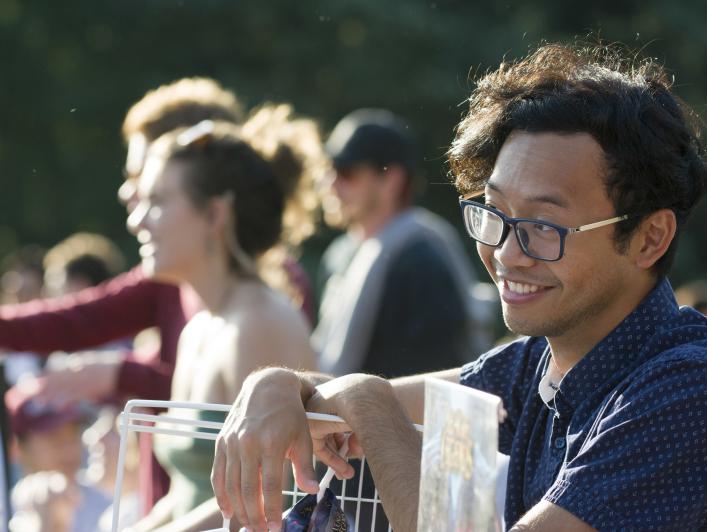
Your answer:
<point x="220" y="200"/>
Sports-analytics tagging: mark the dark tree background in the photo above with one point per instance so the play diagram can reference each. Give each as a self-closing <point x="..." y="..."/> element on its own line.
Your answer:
<point x="71" y="69"/>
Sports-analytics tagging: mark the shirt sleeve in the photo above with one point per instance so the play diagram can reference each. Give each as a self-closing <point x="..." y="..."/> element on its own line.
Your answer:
<point x="118" y="308"/>
<point x="509" y="371"/>
<point x="146" y="380"/>
<point x="644" y="466"/>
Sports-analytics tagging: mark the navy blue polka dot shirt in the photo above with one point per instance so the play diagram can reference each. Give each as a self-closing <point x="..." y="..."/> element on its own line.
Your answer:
<point x="623" y="443"/>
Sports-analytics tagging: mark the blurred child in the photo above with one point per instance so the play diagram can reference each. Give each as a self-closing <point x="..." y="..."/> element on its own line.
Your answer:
<point x="52" y="496"/>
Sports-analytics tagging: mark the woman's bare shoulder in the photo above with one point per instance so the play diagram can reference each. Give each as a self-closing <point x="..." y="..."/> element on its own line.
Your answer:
<point x="265" y="324"/>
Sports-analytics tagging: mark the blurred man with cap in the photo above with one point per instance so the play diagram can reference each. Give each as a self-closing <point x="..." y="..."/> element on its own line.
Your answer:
<point x="395" y="284"/>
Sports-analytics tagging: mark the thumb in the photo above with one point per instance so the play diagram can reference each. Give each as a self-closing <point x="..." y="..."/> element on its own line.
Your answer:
<point x="302" y="465"/>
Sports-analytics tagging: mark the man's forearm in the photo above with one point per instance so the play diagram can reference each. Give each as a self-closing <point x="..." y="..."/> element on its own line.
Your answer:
<point x="392" y="447"/>
<point x="410" y="391"/>
<point x="309" y="380"/>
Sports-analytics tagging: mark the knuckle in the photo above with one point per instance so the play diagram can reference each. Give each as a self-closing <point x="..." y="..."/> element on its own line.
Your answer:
<point x="271" y="485"/>
<point x="249" y="490"/>
<point x="216" y="479"/>
<point x="222" y="501"/>
<point x="245" y="438"/>
<point x="231" y="440"/>
<point x="269" y="444"/>
<point x="242" y="517"/>
<point x="230" y="488"/>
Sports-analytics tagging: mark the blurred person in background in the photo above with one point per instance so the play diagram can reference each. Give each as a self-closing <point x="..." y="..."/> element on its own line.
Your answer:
<point x="130" y="302"/>
<point x="102" y="442"/>
<point x="80" y="261"/>
<point x="693" y="294"/>
<point x="396" y="295"/>
<point x="51" y="496"/>
<point x="212" y="200"/>
<point x="23" y="274"/>
<point x="22" y="280"/>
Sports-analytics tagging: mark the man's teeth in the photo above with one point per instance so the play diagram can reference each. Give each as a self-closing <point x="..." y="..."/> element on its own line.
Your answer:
<point x="522" y="288"/>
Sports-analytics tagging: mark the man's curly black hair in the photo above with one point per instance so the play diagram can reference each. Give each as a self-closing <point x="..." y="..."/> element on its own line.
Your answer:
<point x="650" y="138"/>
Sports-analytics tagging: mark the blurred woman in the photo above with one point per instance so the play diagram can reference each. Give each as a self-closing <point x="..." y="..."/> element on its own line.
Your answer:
<point x="212" y="200"/>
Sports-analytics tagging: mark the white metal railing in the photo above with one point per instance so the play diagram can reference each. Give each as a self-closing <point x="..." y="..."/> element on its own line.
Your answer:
<point x="354" y="495"/>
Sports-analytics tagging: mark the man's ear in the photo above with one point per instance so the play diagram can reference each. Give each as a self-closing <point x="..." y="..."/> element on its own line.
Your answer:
<point x="653" y="238"/>
<point x="396" y="180"/>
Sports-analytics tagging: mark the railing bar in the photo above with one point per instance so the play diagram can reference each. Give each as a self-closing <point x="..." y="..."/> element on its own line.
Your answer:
<point x="135" y="403"/>
<point x="189" y="434"/>
<point x="176" y="421"/>
<point x="362" y="499"/>
<point x="361" y="471"/>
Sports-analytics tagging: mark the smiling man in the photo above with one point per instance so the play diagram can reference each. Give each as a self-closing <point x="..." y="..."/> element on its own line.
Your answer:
<point x="577" y="174"/>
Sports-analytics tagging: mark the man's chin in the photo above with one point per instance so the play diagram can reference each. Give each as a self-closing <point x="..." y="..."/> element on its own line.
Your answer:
<point x="530" y="327"/>
<point x="524" y="326"/>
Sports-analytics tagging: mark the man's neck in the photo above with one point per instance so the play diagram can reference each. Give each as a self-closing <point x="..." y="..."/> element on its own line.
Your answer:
<point x="374" y="223"/>
<point x="571" y="347"/>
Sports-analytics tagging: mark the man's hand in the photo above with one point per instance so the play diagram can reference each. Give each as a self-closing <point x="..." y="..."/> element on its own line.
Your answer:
<point x="382" y="430"/>
<point x="338" y="397"/>
<point x="266" y="425"/>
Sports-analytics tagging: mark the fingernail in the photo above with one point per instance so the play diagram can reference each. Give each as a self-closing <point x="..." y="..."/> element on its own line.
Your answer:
<point x="273" y="526"/>
<point x="313" y="484"/>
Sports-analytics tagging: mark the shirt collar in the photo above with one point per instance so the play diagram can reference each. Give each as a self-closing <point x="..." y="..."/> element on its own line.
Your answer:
<point x="614" y="356"/>
<point x="550" y="382"/>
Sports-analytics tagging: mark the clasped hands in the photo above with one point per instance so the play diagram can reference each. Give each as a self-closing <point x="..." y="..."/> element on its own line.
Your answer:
<point x="267" y="424"/>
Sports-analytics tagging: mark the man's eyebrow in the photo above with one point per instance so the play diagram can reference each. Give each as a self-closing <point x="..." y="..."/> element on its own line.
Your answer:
<point x="540" y="198"/>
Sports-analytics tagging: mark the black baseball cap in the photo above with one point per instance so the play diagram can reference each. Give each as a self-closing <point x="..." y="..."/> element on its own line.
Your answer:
<point x="373" y="136"/>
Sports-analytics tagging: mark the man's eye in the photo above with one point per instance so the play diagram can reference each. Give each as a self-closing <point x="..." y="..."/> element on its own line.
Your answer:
<point x="542" y="227"/>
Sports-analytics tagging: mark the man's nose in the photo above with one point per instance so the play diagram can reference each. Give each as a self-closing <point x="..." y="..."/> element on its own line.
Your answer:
<point x="510" y="254"/>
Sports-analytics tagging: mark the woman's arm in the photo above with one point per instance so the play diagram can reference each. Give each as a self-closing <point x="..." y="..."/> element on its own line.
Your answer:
<point x="206" y="516"/>
<point x="160" y="515"/>
<point x="115" y="309"/>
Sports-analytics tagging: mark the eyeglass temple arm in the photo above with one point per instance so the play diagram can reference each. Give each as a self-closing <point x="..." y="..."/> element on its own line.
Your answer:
<point x="596" y="225"/>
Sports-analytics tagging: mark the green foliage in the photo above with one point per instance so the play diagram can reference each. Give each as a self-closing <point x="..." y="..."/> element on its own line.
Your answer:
<point x="72" y="68"/>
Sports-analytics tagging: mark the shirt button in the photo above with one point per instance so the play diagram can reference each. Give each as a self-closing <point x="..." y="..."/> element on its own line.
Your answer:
<point x="560" y="443"/>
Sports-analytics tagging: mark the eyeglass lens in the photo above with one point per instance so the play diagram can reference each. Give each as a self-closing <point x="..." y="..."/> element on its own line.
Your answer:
<point x="535" y="238"/>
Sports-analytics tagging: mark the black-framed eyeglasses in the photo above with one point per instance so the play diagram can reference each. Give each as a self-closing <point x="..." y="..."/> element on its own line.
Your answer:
<point x="538" y="239"/>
